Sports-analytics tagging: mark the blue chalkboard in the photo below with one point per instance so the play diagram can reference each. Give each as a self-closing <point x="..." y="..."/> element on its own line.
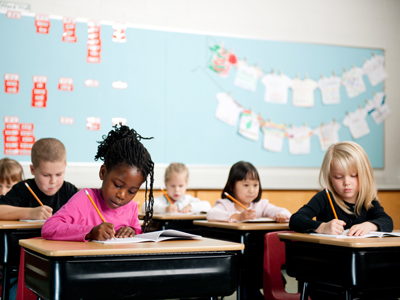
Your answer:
<point x="171" y="92"/>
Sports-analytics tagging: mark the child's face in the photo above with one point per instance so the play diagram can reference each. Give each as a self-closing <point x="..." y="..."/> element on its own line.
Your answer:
<point x="120" y="185"/>
<point x="49" y="176"/>
<point x="246" y="190"/>
<point x="176" y="185"/>
<point x="5" y="187"/>
<point x="344" y="183"/>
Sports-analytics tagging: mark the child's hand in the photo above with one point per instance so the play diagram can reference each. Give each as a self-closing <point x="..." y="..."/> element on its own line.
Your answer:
<point x="125" y="232"/>
<point x="248" y="214"/>
<point x="171" y="208"/>
<point x="101" y="232"/>
<point x="281" y="218"/>
<point x="186" y="209"/>
<point x="361" y="229"/>
<point x="41" y="213"/>
<point x="332" y="227"/>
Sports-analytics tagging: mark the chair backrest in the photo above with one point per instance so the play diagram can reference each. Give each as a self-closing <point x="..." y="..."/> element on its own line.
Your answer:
<point x="274" y="259"/>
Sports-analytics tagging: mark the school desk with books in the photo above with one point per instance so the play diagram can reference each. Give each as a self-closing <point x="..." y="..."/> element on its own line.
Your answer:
<point x="251" y="235"/>
<point x="10" y="233"/>
<point x="349" y="267"/>
<point x="87" y="270"/>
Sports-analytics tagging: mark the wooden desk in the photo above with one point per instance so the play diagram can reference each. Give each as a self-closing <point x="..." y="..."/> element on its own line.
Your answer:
<point x="10" y="233"/>
<point x="251" y="235"/>
<point x="344" y="267"/>
<point x="182" y="222"/>
<point x="164" y="270"/>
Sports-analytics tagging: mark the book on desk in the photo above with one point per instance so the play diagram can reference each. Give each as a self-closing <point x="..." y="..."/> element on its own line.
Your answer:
<point x="155" y="236"/>
<point x="368" y="235"/>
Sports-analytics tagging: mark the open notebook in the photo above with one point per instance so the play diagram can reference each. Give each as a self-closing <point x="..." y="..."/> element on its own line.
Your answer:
<point x="259" y="220"/>
<point x="154" y="236"/>
<point x="344" y="235"/>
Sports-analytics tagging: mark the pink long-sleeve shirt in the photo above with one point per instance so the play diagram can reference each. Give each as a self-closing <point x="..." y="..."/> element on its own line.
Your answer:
<point x="78" y="216"/>
<point x="225" y="208"/>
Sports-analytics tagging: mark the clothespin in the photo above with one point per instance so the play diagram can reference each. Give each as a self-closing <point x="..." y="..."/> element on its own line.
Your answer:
<point x="323" y="123"/>
<point x="334" y="120"/>
<point x="280" y="72"/>
<point x="373" y="54"/>
<point x="306" y="76"/>
<point x="297" y="75"/>
<point x="322" y="76"/>
<point x="334" y="73"/>
<point x="272" y="71"/>
<point x="345" y="70"/>
<point x="347" y="113"/>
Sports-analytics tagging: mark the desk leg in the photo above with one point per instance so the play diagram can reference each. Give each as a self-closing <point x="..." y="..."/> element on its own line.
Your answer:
<point x="5" y="283"/>
<point x="304" y="292"/>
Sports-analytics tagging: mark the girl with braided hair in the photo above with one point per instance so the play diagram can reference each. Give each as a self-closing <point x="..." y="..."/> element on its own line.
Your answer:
<point x="127" y="165"/>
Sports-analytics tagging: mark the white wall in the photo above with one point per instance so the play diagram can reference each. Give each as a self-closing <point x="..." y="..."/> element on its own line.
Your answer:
<point x="363" y="23"/>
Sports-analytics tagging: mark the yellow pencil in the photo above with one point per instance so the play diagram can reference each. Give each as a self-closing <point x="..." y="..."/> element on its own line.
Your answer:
<point x="330" y="201"/>
<point x="34" y="195"/>
<point x="94" y="204"/>
<point x="166" y="196"/>
<point x="234" y="200"/>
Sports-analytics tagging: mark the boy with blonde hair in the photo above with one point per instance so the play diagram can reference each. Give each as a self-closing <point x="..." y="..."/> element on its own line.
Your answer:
<point x="48" y="168"/>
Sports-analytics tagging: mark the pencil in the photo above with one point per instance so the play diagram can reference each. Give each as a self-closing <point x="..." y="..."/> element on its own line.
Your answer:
<point x="33" y="193"/>
<point x="234" y="200"/>
<point x="94" y="204"/>
<point x="330" y="201"/>
<point x="166" y="196"/>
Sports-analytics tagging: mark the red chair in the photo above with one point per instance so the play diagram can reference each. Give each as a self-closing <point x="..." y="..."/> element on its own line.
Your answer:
<point x="274" y="259"/>
<point x="23" y="293"/>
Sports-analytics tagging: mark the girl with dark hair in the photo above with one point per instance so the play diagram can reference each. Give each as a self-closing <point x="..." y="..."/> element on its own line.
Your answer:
<point x="244" y="185"/>
<point x="127" y="165"/>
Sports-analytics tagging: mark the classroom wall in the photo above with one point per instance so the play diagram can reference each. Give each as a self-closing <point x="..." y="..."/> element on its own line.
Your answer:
<point x="357" y="23"/>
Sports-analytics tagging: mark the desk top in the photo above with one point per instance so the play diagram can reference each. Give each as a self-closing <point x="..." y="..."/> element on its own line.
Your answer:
<point x="244" y="226"/>
<point x="342" y="242"/>
<point x="63" y="248"/>
<point x="20" y="225"/>
<point x="179" y="216"/>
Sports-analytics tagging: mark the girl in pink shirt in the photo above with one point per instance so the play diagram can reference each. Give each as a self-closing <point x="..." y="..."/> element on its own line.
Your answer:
<point x="244" y="185"/>
<point x="127" y="164"/>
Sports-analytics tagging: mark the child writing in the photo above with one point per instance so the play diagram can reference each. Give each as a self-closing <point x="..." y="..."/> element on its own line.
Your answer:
<point x="348" y="175"/>
<point x="49" y="158"/>
<point x="127" y="165"/>
<point x="10" y="173"/>
<point x="176" y="181"/>
<point x="244" y="185"/>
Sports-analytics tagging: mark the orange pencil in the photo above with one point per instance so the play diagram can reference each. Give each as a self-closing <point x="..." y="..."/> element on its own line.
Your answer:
<point x="34" y="195"/>
<point x="234" y="200"/>
<point x="166" y="196"/>
<point x="330" y="201"/>
<point x="94" y="204"/>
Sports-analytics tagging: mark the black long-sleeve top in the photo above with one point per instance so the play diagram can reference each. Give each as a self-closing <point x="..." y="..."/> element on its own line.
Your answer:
<point x="319" y="207"/>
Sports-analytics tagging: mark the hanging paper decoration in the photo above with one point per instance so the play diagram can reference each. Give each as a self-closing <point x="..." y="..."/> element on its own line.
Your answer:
<point x="69" y="25"/>
<point x="39" y="91"/>
<point x="13" y="14"/>
<point x="119" y="35"/>
<point x="221" y="60"/>
<point x="330" y="89"/>
<point x="327" y="134"/>
<point x="378" y="108"/>
<point x="91" y="83"/>
<point x="228" y="109"/>
<point x="357" y="123"/>
<point x="353" y="82"/>
<point x="247" y="76"/>
<point x="249" y="126"/>
<point x="18" y="138"/>
<point x="375" y="69"/>
<point x="119" y="85"/>
<point x="93" y="123"/>
<point x="276" y="88"/>
<point x="42" y="23"/>
<point x="67" y="120"/>
<point x="117" y="121"/>
<point x="94" y="42"/>
<point x="273" y="136"/>
<point x="303" y="92"/>
<point x="11" y="83"/>
<point x="299" y="139"/>
<point x="65" y="84"/>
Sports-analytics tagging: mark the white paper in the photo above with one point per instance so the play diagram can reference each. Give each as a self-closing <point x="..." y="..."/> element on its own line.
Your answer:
<point x="259" y="220"/>
<point x="344" y="235"/>
<point x="357" y="124"/>
<point x="247" y="76"/>
<point x="276" y="88"/>
<point x="228" y="109"/>
<point x="299" y="139"/>
<point x="375" y="69"/>
<point x="249" y="125"/>
<point x="303" y="92"/>
<point x="353" y="82"/>
<point x="327" y="134"/>
<point x="273" y="136"/>
<point x="330" y="89"/>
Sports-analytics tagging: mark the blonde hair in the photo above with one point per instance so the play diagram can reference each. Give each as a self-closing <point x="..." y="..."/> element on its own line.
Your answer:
<point x="350" y="157"/>
<point x="10" y="171"/>
<point x="175" y="168"/>
<point x="48" y="149"/>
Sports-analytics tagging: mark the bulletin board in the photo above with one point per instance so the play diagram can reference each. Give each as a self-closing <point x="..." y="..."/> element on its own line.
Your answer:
<point x="161" y="83"/>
